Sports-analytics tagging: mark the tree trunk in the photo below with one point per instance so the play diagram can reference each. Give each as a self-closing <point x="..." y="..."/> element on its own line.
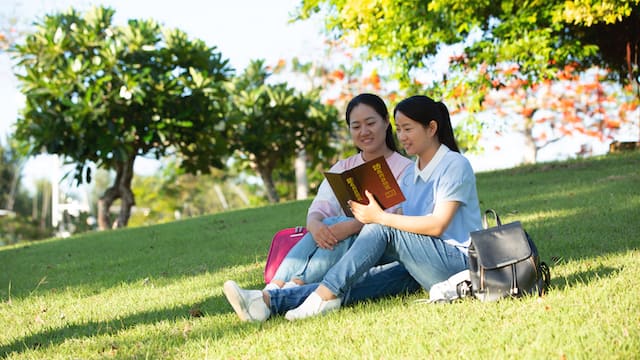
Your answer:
<point x="34" y="206"/>
<point x="267" y="179"/>
<point x="46" y="200"/>
<point x="220" y="194"/>
<point x="530" y="149"/>
<point x="15" y="180"/>
<point x="302" y="185"/>
<point x="12" y="192"/>
<point x="121" y="189"/>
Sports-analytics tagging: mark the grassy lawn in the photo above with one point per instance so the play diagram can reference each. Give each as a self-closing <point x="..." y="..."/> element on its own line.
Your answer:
<point x="156" y="292"/>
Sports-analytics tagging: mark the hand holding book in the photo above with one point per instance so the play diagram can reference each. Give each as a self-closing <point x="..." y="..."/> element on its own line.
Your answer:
<point x="366" y="213"/>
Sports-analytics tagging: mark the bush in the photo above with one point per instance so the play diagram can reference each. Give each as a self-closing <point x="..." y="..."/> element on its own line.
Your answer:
<point x="14" y="229"/>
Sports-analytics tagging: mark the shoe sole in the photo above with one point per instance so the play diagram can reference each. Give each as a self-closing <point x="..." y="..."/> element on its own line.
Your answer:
<point x="232" y="292"/>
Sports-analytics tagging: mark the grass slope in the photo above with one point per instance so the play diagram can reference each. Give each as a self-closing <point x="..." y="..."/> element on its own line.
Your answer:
<point x="156" y="292"/>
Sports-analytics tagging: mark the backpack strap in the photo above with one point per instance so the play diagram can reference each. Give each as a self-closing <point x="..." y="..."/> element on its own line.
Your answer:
<point x="485" y="222"/>
<point x="545" y="279"/>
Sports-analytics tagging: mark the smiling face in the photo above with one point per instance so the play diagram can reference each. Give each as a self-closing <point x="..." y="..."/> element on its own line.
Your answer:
<point x="368" y="129"/>
<point x="415" y="138"/>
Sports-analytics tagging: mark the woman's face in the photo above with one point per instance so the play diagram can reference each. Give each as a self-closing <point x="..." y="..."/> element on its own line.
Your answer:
<point x="368" y="128"/>
<point x="415" y="138"/>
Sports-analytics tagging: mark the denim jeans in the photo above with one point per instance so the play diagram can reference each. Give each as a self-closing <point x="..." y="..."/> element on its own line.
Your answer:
<point x="379" y="281"/>
<point x="428" y="260"/>
<point x="307" y="262"/>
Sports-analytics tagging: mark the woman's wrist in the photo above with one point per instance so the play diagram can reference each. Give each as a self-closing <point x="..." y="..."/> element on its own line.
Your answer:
<point x="383" y="218"/>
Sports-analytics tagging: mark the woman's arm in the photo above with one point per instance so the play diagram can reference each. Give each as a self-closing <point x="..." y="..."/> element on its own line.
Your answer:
<point x="328" y="236"/>
<point x="433" y="225"/>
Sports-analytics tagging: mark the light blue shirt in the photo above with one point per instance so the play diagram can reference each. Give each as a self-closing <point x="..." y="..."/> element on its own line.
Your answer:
<point x="448" y="177"/>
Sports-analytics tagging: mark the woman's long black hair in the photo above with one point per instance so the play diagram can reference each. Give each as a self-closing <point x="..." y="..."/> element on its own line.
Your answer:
<point x="423" y="109"/>
<point x="379" y="106"/>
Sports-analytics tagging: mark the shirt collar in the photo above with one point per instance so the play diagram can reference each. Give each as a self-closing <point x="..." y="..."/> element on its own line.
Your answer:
<point x="425" y="173"/>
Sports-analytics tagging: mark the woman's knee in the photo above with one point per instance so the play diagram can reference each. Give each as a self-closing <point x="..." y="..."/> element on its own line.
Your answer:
<point x="374" y="229"/>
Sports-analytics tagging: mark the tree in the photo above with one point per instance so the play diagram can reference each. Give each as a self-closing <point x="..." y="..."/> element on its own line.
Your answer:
<point x="614" y="26"/>
<point x="105" y="94"/>
<point x="539" y="39"/>
<point x="172" y="194"/>
<point x="11" y="164"/>
<point x="577" y="104"/>
<point x="338" y="76"/>
<point x="270" y="123"/>
<point x="534" y="34"/>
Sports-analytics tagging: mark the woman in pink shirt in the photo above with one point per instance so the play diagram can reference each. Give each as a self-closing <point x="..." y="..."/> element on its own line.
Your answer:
<point x="330" y="231"/>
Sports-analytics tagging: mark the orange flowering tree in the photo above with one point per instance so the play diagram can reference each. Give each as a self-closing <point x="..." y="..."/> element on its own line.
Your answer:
<point x="536" y="39"/>
<point x="573" y="104"/>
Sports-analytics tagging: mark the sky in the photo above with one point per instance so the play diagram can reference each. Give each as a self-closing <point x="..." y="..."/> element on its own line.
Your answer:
<point x="242" y="30"/>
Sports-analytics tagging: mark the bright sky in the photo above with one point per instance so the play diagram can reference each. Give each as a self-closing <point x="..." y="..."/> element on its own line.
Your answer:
<point x="242" y="30"/>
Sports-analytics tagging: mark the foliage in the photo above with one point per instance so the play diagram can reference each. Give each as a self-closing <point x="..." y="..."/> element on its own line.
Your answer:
<point x="535" y="35"/>
<point x="156" y="291"/>
<point x="20" y="228"/>
<point x="269" y="123"/>
<point x="173" y="194"/>
<point x="577" y="104"/>
<point x="338" y="76"/>
<point x="10" y="168"/>
<point x="104" y="94"/>
<point x="616" y="32"/>
<point x="18" y="216"/>
<point x="486" y="40"/>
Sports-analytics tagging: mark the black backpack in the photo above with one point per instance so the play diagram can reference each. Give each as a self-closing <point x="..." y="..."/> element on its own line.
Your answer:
<point x="504" y="262"/>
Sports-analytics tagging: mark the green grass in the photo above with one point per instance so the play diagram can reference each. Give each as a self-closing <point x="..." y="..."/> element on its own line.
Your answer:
<point x="156" y="292"/>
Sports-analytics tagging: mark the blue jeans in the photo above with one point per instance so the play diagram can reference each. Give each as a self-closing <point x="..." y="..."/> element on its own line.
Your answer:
<point x="379" y="281"/>
<point x="428" y="260"/>
<point x="307" y="262"/>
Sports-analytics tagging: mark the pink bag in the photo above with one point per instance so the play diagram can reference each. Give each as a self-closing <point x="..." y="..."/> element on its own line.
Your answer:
<point x="282" y="242"/>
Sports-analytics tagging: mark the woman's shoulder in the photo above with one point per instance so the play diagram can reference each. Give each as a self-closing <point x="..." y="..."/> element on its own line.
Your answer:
<point x="347" y="163"/>
<point x="455" y="162"/>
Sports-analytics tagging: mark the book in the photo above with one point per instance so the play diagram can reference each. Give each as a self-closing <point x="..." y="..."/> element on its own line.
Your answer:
<point x="375" y="176"/>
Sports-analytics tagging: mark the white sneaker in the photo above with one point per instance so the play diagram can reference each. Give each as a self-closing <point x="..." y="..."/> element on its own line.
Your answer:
<point x="450" y="289"/>
<point x="248" y="304"/>
<point x="312" y="306"/>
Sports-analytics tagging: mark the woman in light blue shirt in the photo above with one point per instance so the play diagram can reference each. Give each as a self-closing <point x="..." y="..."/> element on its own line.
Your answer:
<point x="427" y="240"/>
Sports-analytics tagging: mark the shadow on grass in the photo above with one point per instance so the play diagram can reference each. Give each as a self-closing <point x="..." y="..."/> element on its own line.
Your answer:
<point x="210" y="307"/>
<point x="53" y="337"/>
<point x="101" y="260"/>
<point x="582" y="277"/>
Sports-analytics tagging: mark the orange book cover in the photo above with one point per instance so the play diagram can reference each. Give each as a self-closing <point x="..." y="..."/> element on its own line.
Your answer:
<point x="375" y="176"/>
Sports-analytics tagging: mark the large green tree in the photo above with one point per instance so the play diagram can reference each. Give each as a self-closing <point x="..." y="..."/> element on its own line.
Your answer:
<point x="502" y="42"/>
<point x="105" y="94"/>
<point x="537" y="35"/>
<point x="271" y="123"/>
